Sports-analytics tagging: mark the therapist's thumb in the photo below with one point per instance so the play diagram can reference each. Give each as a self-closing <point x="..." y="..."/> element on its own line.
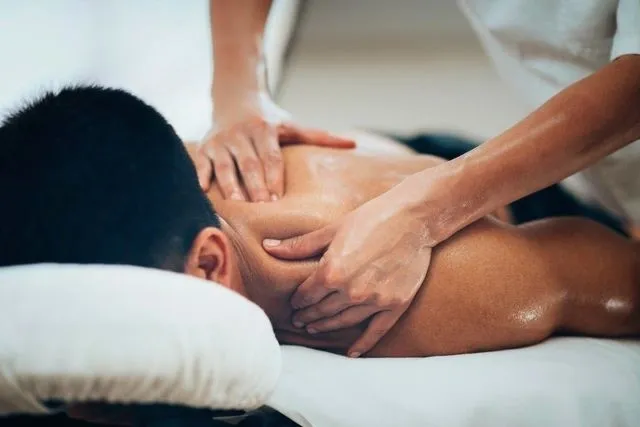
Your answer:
<point x="300" y="247"/>
<point x="291" y="134"/>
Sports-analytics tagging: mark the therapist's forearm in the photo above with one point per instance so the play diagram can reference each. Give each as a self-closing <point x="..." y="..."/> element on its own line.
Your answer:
<point x="237" y="30"/>
<point x="582" y="124"/>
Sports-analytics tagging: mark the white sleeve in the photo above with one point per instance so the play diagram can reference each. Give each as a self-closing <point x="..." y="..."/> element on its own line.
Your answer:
<point x="627" y="38"/>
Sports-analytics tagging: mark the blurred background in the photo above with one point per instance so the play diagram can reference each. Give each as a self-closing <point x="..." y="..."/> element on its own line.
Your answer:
<point x="388" y="65"/>
<point x="401" y="65"/>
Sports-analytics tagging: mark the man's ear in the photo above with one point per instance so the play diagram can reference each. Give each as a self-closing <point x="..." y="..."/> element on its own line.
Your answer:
<point x="211" y="257"/>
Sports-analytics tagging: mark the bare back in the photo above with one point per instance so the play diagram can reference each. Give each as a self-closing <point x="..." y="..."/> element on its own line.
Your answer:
<point x="488" y="287"/>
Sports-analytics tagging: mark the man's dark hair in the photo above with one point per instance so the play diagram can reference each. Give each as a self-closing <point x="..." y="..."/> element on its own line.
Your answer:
<point x="95" y="175"/>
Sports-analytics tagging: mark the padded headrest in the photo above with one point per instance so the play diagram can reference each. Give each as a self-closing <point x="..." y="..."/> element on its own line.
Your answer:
<point x="130" y="335"/>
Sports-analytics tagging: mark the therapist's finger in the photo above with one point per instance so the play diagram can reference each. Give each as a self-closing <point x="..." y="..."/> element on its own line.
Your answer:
<point x="327" y="278"/>
<point x="204" y="170"/>
<point x="202" y="163"/>
<point x="347" y="318"/>
<point x="268" y="149"/>
<point x="379" y="325"/>
<point x="291" y="134"/>
<point x="225" y="171"/>
<point x="311" y="291"/>
<point x="250" y="168"/>
<point x="330" y="306"/>
<point x="301" y="247"/>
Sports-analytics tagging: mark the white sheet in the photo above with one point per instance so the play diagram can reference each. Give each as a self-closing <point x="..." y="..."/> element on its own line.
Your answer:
<point x="563" y="382"/>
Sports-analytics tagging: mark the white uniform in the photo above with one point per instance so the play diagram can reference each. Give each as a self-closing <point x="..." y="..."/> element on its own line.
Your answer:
<point x="542" y="46"/>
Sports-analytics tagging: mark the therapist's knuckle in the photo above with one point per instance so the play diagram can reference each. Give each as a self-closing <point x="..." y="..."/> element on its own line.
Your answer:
<point x="227" y="138"/>
<point x="378" y="298"/>
<point x="384" y="300"/>
<point x="394" y="301"/>
<point x="356" y="295"/>
<point x="273" y="158"/>
<point x="307" y="300"/>
<point x="236" y="131"/>
<point x="201" y="162"/>
<point x="223" y="166"/>
<point x="332" y="274"/>
<point x="249" y="164"/>
<point x="256" y="124"/>
<point x="215" y="139"/>
<point x="209" y="152"/>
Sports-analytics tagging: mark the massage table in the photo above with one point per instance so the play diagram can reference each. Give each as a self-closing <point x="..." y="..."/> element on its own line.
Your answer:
<point x="141" y="337"/>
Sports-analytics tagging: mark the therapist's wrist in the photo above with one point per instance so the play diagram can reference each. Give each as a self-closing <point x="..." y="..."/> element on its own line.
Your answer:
<point x="422" y="197"/>
<point x="237" y="106"/>
<point x="238" y="70"/>
<point x="238" y="90"/>
<point x="439" y="197"/>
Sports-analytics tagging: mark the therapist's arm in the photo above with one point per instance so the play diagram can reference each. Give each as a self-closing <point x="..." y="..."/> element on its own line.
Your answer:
<point x="237" y="30"/>
<point x="579" y="126"/>
<point x="375" y="259"/>
<point x="248" y="127"/>
<point x="239" y="143"/>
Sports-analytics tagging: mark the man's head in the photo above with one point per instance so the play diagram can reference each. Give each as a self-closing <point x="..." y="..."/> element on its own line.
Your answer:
<point x="95" y="175"/>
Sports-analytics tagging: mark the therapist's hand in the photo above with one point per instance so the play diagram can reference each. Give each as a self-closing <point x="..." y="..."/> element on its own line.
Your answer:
<point x="375" y="261"/>
<point x="243" y="148"/>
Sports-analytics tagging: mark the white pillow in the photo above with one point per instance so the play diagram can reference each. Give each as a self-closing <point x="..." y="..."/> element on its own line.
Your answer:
<point x="130" y="335"/>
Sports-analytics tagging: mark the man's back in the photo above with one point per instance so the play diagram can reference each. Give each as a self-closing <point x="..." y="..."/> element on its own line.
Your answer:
<point x="491" y="286"/>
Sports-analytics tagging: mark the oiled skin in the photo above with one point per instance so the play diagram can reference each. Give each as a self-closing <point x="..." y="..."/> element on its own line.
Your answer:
<point x="491" y="286"/>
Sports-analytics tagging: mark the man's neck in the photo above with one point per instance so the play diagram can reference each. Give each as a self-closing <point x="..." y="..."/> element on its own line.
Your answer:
<point x="268" y="283"/>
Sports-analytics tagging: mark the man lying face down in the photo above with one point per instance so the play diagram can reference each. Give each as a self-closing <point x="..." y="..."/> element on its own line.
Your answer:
<point x="92" y="175"/>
